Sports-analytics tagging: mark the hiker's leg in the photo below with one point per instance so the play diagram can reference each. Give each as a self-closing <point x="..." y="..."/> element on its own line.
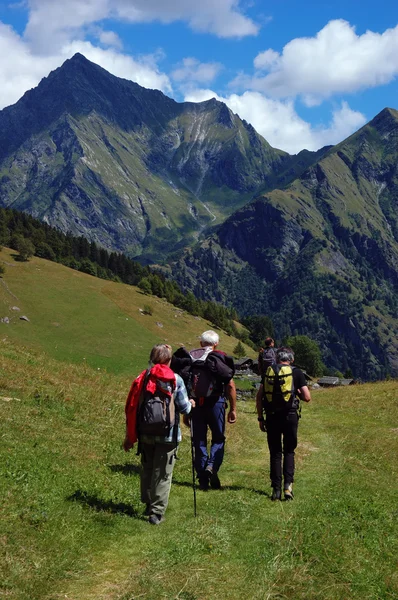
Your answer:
<point x="274" y="438"/>
<point x="199" y="429"/>
<point x="147" y="456"/>
<point x="216" y="420"/>
<point x="163" y="464"/>
<point x="289" y="446"/>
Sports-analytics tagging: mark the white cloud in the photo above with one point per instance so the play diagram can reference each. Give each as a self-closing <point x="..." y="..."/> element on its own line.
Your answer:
<point x="336" y="60"/>
<point x="110" y="38"/>
<point x="221" y="17"/>
<point x="142" y="71"/>
<point x="278" y="122"/>
<point x="53" y="23"/>
<point x="20" y="72"/>
<point x="55" y="30"/>
<point x="23" y="70"/>
<point x="191" y="70"/>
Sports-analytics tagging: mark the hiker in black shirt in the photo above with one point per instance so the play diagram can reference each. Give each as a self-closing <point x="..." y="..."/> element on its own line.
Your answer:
<point x="281" y="423"/>
<point x="266" y="356"/>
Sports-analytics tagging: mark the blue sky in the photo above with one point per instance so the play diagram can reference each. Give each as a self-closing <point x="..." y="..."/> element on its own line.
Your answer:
<point x="304" y="73"/>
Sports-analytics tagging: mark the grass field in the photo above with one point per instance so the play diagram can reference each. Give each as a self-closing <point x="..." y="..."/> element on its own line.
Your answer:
<point x="77" y="318"/>
<point x="72" y="524"/>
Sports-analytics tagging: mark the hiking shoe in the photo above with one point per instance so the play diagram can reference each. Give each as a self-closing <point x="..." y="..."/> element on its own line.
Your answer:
<point x="214" y="480"/>
<point x="155" y="519"/>
<point x="276" y="494"/>
<point x="288" y="491"/>
<point x="203" y="483"/>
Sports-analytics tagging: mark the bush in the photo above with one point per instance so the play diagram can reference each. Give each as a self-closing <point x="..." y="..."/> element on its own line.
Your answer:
<point x="148" y="310"/>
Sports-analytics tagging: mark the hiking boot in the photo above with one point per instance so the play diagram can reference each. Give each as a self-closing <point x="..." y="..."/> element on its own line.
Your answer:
<point x="155" y="519"/>
<point x="288" y="491"/>
<point x="203" y="483"/>
<point x="214" y="480"/>
<point x="276" y="494"/>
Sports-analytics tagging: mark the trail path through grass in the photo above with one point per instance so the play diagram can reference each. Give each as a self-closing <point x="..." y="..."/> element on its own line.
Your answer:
<point x="72" y="520"/>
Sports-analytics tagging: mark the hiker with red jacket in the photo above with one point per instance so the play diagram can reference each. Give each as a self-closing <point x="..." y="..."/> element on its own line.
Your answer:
<point x="208" y="374"/>
<point x="156" y="399"/>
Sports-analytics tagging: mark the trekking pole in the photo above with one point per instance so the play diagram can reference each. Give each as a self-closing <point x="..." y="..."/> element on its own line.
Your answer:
<point x="193" y="469"/>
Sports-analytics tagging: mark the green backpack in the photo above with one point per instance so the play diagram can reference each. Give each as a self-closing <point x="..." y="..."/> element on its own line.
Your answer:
<point x="279" y="392"/>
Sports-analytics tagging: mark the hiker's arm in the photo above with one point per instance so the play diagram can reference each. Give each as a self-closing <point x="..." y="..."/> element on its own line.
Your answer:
<point x="127" y="445"/>
<point x="259" y="407"/>
<point x="304" y="393"/>
<point x="182" y="402"/>
<point x="230" y="392"/>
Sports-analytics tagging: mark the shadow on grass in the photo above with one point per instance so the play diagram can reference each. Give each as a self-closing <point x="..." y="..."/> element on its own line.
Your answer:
<point x="125" y="469"/>
<point x="135" y="470"/>
<point x="226" y="488"/>
<point x="105" y="505"/>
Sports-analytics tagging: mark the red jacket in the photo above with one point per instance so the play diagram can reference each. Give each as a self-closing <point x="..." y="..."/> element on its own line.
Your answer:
<point x="158" y="372"/>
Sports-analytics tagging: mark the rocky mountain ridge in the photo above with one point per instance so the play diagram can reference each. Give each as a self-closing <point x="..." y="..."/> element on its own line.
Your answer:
<point x="320" y="256"/>
<point x="128" y="167"/>
<point x="311" y="239"/>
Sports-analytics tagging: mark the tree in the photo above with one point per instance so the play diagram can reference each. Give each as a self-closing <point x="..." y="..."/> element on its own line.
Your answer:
<point x="306" y="354"/>
<point x="86" y="266"/>
<point x="260" y="327"/>
<point x="43" y="250"/>
<point x="239" y="350"/>
<point x="145" y="285"/>
<point x="24" y="246"/>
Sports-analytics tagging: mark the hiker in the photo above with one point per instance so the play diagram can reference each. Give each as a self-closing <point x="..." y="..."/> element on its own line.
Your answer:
<point x="266" y="356"/>
<point x="208" y="375"/>
<point x="158" y="437"/>
<point x="279" y="395"/>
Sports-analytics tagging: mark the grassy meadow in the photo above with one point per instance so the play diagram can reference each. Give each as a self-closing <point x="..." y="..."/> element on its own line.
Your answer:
<point x="77" y="318"/>
<point x="71" y="518"/>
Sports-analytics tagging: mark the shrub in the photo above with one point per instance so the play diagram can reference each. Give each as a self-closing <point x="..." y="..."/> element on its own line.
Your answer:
<point x="148" y="310"/>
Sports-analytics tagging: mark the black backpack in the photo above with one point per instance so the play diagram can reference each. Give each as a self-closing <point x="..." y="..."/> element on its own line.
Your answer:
<point x="266" y="358"/>
<point x="203" y="382"/>
<point x="156" y="411"/>
<point x="204" y="373"/>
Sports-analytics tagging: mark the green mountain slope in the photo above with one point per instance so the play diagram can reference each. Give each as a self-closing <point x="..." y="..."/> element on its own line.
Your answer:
<point x="78" y="318"/>
<point x="320" y="255"/>
<point x="128" y="167"/>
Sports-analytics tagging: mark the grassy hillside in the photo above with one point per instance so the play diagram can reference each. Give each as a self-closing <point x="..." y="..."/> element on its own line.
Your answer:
<point x="77" y="318"/>
<point x="72" y="524"/>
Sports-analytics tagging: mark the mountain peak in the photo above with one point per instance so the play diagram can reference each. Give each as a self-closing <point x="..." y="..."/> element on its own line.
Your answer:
<point x="388" y="117"/>
<point x="79" y="57"/>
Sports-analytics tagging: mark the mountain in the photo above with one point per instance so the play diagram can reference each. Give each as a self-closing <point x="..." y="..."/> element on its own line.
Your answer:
<point x="310" y="240"/>
<point x="320" y="256"/>
<point x="128" y="167"/>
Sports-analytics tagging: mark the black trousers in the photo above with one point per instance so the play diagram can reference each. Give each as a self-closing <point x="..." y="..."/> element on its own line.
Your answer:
<point x="282" y="440"/>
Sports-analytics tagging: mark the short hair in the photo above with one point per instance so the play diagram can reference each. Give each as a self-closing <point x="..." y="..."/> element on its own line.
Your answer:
<point x="284" y="354"/>
<point x="209" y="338"/>
<point x="268" y="341"/>
<point x="160" y="354"/>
